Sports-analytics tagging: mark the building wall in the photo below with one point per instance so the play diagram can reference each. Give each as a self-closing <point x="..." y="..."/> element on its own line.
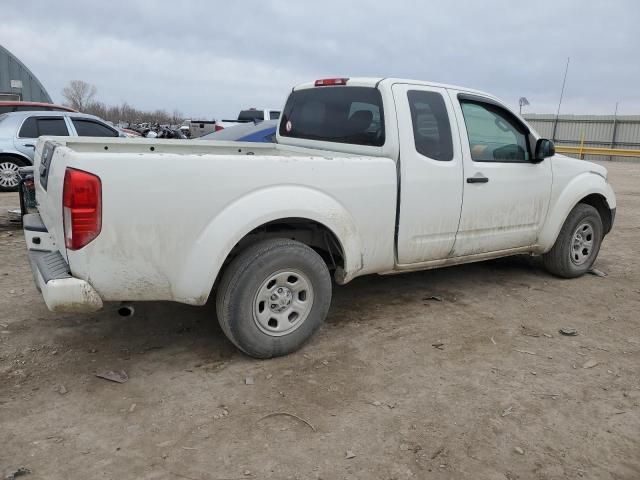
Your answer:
<point x="606" y="131"/>
<point x="14" y="71"/>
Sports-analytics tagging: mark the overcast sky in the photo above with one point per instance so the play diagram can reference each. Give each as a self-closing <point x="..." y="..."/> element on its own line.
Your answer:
<point x="210" y="59"/>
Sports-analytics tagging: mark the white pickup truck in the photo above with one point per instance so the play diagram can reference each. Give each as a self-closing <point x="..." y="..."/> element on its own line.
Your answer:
<point x="368" y="176"/>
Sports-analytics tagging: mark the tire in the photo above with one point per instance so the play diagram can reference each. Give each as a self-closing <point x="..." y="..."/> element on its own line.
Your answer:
<point x="578" y="243"/>
<point x="273" y="297"/>
<point x="9" y="166"/>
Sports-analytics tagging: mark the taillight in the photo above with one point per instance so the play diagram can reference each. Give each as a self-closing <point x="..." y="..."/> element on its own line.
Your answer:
<point x="326" y="82"/>
<point x="82" y="208"/>
<point x="217" y="128"/>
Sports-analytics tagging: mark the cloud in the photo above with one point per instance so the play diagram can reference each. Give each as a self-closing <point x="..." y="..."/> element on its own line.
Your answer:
<point x="210" y="59"/>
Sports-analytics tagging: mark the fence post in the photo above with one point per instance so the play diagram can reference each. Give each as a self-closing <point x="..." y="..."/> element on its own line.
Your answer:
<point x="615" y="127"/>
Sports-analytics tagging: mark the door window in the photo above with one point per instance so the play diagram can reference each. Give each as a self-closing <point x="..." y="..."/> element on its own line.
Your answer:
<point x="494" y="135"/>
<point x="431" y="128"/>
<point x="89" y="128"/>
<point x="52" y="126"/>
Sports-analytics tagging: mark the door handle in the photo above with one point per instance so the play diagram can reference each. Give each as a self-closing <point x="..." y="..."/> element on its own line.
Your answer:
<point x="29" y="145"/>
<point x="477" y="179"/>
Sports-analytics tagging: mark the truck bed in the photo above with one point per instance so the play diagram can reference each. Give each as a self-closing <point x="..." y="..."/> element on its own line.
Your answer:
<point x="173" y="210"/>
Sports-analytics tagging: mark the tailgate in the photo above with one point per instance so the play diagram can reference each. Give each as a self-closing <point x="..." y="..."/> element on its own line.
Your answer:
<point x="49" y="168"/>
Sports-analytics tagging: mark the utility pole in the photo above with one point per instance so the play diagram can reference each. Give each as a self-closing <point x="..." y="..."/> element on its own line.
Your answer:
<point x="564" y="81"/>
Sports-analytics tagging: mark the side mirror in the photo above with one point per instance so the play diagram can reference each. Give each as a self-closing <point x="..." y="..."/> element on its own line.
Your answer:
<point x="544" y="149"/>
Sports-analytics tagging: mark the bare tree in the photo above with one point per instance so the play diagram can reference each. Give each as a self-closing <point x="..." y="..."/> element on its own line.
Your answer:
<point x="79" y="94"/>
<point x="177" y="117"/>
<point x="96" y="108"/>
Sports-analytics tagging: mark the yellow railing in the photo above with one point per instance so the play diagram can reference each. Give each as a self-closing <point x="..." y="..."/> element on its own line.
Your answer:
<point x="612" y="152"/>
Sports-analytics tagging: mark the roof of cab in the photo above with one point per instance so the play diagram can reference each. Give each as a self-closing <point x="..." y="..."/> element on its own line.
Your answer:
<point x="376" y="81"/>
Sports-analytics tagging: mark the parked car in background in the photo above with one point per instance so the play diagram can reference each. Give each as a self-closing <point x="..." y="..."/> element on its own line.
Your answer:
<point x="247" y="132"/>
<point x="19" y="132"/>
<point x="127" y="132"/>
<point x="8" y="107"/>
<point x="200" y="128"/>
<point x="250" y="115"/>
<point x="368" y="175"/>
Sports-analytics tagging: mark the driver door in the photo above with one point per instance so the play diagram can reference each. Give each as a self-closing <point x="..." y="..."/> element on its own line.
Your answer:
<point x="506" y="193"/>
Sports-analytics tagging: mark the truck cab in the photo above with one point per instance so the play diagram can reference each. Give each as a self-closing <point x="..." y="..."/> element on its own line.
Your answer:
<point x="473" y="180"/>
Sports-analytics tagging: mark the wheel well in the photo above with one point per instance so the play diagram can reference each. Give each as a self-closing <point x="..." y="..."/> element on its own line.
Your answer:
<point x="22" y="158"/>
<point x="309" y="232"/>
<point x="600" y="203"/>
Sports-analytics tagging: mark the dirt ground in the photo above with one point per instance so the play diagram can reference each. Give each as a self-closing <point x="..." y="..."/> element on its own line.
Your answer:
<point x="474" y="384"/>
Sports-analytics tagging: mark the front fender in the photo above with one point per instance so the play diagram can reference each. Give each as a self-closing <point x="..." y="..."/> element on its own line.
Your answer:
<point x="581" y="186"/>
<point x="252" y="210"/>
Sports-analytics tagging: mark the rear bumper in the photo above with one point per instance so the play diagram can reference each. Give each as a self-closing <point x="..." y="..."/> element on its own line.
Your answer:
<point x="51" y="274"/>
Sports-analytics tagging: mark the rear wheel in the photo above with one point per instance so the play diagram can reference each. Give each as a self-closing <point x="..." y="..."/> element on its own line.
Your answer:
<point x="9" y="177"/>
<point x="273" y="297"/>
<point x="578" y="243"/>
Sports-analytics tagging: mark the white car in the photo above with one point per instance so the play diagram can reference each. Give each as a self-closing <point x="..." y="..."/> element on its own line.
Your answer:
<point x="368" y="176"/>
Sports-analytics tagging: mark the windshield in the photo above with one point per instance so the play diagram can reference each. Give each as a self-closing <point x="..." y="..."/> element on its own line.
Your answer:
<point x="251" y="115"/>
<point x="335" y="114"/>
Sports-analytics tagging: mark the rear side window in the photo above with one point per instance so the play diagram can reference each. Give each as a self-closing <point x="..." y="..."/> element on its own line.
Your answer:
<point x="251" y="115"/>
<point x="52" y="126"/>
<point x="89" y="128"/>
<point x="34" y="127"/>
<point x="273" y="115"/>
<point x="431" y="127"/>
<point x="335" y="114"/>
<point x="29" y="128"/>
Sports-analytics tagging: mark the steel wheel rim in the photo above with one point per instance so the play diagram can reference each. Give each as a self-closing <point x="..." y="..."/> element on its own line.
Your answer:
<point x="9" y="176"/>
<point x="582" y="243"/>
<point x="283" y="302"/>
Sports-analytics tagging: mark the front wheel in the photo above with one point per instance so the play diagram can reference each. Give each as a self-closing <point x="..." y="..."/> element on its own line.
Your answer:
<point x="273" y="296"/>
<point x="578" y="243"/>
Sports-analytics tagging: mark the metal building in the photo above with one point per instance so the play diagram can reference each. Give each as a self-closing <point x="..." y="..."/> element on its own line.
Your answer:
<point x="17" y="82"/>
<point x="604" y="131"/>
